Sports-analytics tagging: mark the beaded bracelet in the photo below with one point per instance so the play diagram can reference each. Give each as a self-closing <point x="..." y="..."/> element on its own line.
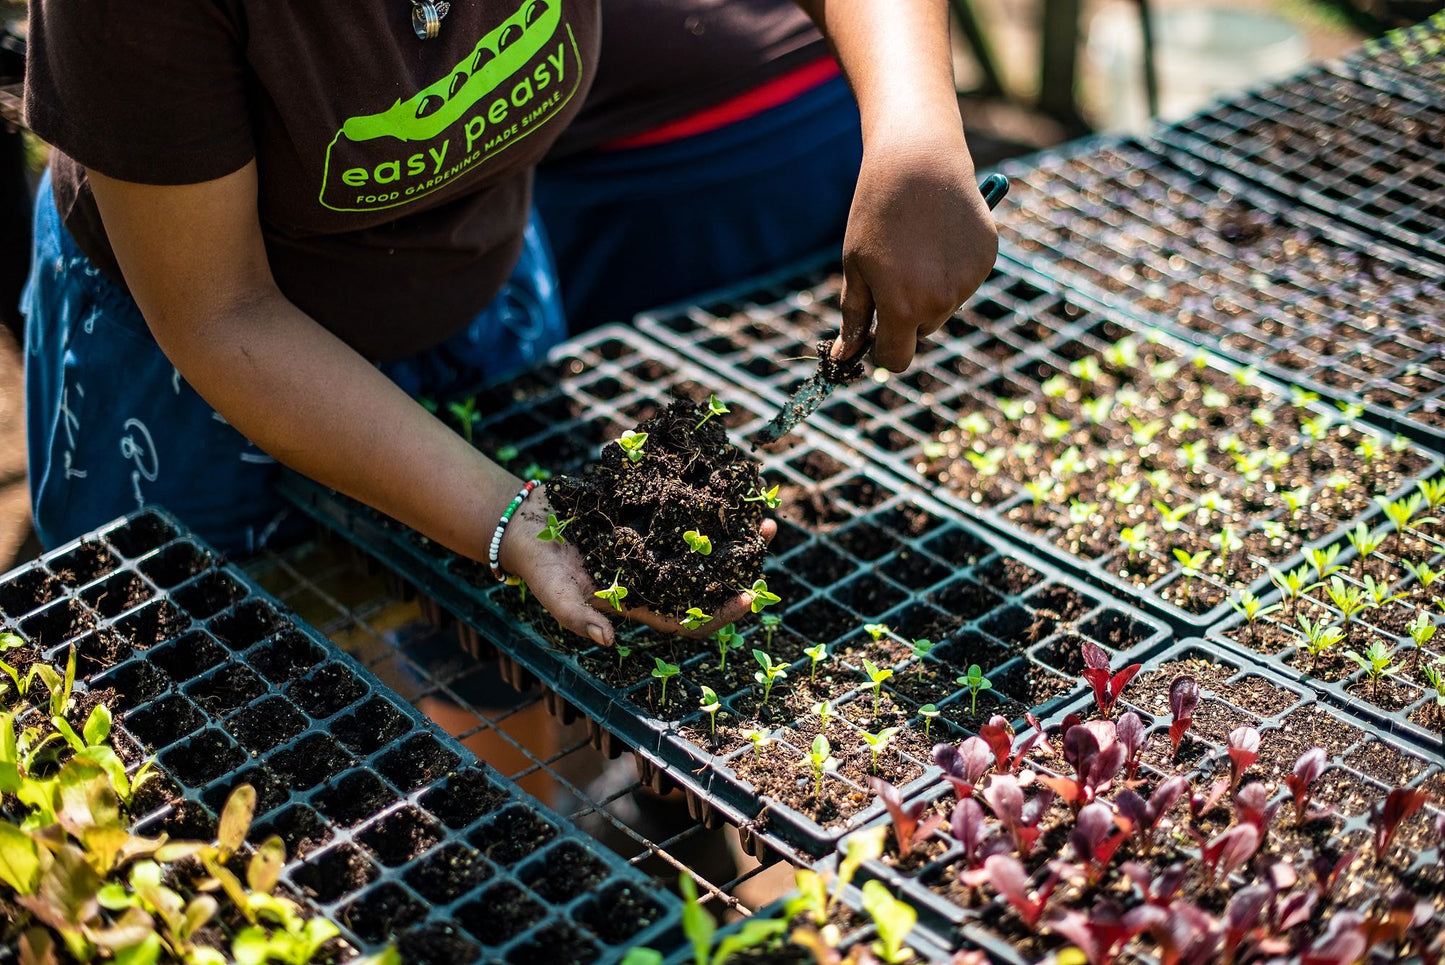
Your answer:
<point x="494" y="555"/>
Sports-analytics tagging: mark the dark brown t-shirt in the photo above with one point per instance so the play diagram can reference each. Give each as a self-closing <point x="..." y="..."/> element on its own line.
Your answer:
<point x="663" y="60"/>
<point x="395" y="173"/>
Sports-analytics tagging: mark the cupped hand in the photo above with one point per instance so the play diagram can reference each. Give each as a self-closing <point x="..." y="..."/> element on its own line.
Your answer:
<point x="919" y="242"/>
<point x="556" y="575"/>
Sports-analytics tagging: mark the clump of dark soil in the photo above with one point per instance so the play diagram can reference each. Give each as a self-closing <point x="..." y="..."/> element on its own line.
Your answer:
<point x="839" y="371"/>
<point x="628" y="518"/>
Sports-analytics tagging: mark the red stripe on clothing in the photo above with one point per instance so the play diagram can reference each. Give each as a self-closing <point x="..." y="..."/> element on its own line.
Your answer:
<point x="777" y="91"/>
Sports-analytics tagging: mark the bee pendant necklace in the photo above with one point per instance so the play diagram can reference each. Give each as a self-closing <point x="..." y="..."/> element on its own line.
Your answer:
<point x="426" y="17"/>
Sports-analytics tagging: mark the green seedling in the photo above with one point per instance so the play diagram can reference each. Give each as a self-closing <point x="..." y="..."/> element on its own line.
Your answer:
<point x="1068" y="465"/>
<point x="631" y="443"/>
<point x="987" y="463"/>
<point x="1292" y="585"/>
<point x="1423" y="574"/>
<point x="769" y="675"/>
<point x="810" y="898"/>
<point x="1124" y="491"/>
<point x="613" y="594"/>
<point x="536" y="473"/>
<point x="816" y="655"/>
<point x="694" y="619"/>
<point x="1135" y="539"/>
<point x="1040" y="489"/>
<point x="877" y="743"/>
<point x="1191" y="565"/>
<point x="1024" y="451"/>
<point x="1323" y="560"/>
<point x="1421" y="629"/>
<point x="1433" y="490"/>
<point x="727" y="639"/>
<point x="1081" y="512"/>
<point x="893" y="919"/>
<point x="622" y="654"/>
<point x="976" y="683"/>
<point x="1434" y="674"/>
<point x="1192" y="455"/>
<point x="975" y="424"/>
<point x="920" y="649"/>
<point x="1055" y="388"/>
<point x="709" y="705"/>
<point x="1376" y="662"/>
<point x="1213" y="398"/>
<point x="1402" y="514"/>
<point x="759" y="739"/>
<point x="552" y="532"/>
<point x="935" y="450"/>
<point x="1369" y="450"/>
<point x="1097" y="410"/>
<point x="876" y="676"/>
<point x="1226" y="541"/>
<point x="770" y="623"/>
<point x="428" y="403"/>
<point x="1123" y="354"/>
<point x="877" y="631"/>
<point x="467" y="416"/>
<point x="1302" y="399"/>
<point x="1251" y="607"/>
<point x="762" y="597"/>
<point x="1379" y="593"/>
<point x="1054" y="429"/>
<point x="1319" y="638"/>
<point x="768" y="497"/>
<point x="1364" y="542"/>
<point x="715" y="407"/>
<point x="1013" y="409"/>
<point x="1086" y="369"/>
<point x="664" y="671"/>
<point x="1273" y="530"/>
<point x="697" y="543"/>
<point x="1143" y="433"/>
<point x="1317" y="428"/>
<point x="1347" y="598"/>
<point x="822" y="759"/>
<point x="1170" y="520"/>
<point x="927" y="712"/>
<point x="824" y="710"/>
<point x="505" y="455"/>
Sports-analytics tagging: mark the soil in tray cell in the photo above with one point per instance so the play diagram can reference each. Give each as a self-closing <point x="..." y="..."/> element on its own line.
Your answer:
<point x="438" y="943"/>
<point x="557" y="942"/>
<point x="563" y="873"/>
<point x="501" y="913"/>
<point x="512" y="835"/>
<point x="209" y="595"/>
<point x="28" y="590"/>
<point x="338" y="871"/>
<point x="99" y="650"/>
<point x="271" y="793"/>
<point x="187" y="821"/>
<point x="134" y="682"/>
<point x="327" y="690"/>
<point x="311" y="761"/>
<point x="247" y="624"/>
<point x="618" y="912"/>
<point x="266" y="724"/>
<point x="117" y="594"/>
<point x="376" y="724"/>
<point x="400" y="836"/>
<point x="448" y="873"/>
<point x="382" y="912"/>
<point x="165" y="721"/>
<point x="354" y="798"/>
<point x="226" y="689"/>
<point x="782" y="774"/>
<point x="152" y="624"/>
<point x="175" y="564"/>
<point x="301" y="828"/>
<point x="203" y="758"/>
<point x="141" y="535"/>
<point x="419" y="761"/>
<point x="287" y="657"/>
<point x="188" y="657"/>
<point x="57" y="623"/>
<point x="88" y="561"/>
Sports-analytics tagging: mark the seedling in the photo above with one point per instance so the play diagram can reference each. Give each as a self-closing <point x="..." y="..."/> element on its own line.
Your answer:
<point x="964" y="766"/>
<point x="552" y="532"/>
<point x="824" y="710"/>
<point x="1347" y="598"/>
<point x="816" y="655"/>
<point x="1251" y="607"/>
<point x="715" y="407"/>
<point x="1019" y="816"/>
<point x="976" y="682"/>
<point x="877" y="742"/>
<point x="505" y="454"/>
<point x="727" y="639"/>
<point x="1433" y="490"/>
<point x="1040" y="489"/>
<point x="769" y="674"/>
<point x="664" y="671"/>
<point x="1364" y="542"/>
<point x="1379" y="593"/>
<point x="1081" y="512"/>
<point x="1376" y="663"/>
<point x="536" y="473"/>
<point x="1243" y="751"/>
<point x="1132" y="737"/>
<point x="1226" y="541"/>
<point x="876" y="676"/>
<point x="1423" y="575"/>
<point x="1387" y="816"/>
<point x="988" y="462"/>
<point x="1107" y="688"/>
<point x="1191" y="565"/>
<point x="1230" y="850"/>
<point x="614" y="594"/>
<point x="631" y="443"/>
<point x="1323" y="560"/>
<point x="769" y="497"/>
<point x="1434" y="674"/>
<point x="1094" y="752"/>
<point x="697" y="543"/>
<point x="1292" y="585"/>
<point x="930" y="711"/>
<point x="1009" y="878"/>
<point x="710" y="705"/>
<point x="467" y="416"/>
<point x="1143" y="433"/>
<point x="1183" y="699"/>
<point x="910" y="828"/>
<point x="623" y="653"/>
<point x="1421" y="629"/>
<point x="1170" y="520"/>
<point x="759" y="739"/>
<point x="822" y="759"/>
<point x="975" y="424"/>
<point x="893" y="919"/>
<point x="762" y="598"/>
<point x="1319" y="638"/>
<point x="1307" y="770"/>
<point x="770" y="623"/>
<point x="1068" y="465"/>
<point x="695" y="618"/>
<point x="1135" y="539"/>
<point x="920" y="649"/>
<point x="1145" y="815"/>
<point x="1095" y="839"/>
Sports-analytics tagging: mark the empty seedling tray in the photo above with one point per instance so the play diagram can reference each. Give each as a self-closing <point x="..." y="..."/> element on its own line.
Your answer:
<point x="392" y="828"/>
<point x="1192" y="248"/>
<point x="1014" y="384"/>
<point x="1363" y="766"/>
<point x="853" y="549"/>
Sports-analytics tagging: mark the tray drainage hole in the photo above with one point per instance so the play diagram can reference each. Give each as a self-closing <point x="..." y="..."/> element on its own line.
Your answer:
<point x="188" y="657"/>
<point x="265" y="725"/>
<point x="287" y="657"/>
<point x="28" y="590"/>
<point x="135" y="683"/>
<point x="466" y="796"/>
<point x="563" y="873"/>
<point x="500" y="913"/>
<point x="557" y="942"/>
<point x="141" y="535"/>
<point x="1115" y="629"/>
<point x="99" y="650"/>
<point x="313" y="760"/>
<point x="164" y="722"/>
<point x="112" y="597"/>
<point x="152" y="624"/>
<point x="354" y="798"/>
<point x="271" y="793"/>
<point x="203" y="758"/>
<point x="327" y="690"/>
<point x="436" y="944"/>
<point x="88" y="561"/>
<point x="419" y="761"/>
<point x="400" y="836"/>
<point x="176" y="564"/>
<point x="58" y="623"/>
<point x="966" y="599"/>
<point x="382" y="912"/>
<point x="247" y="624"/>
<point x="301" y="828"/>
<point x="958" y="547"/>
<point x="512" y="835"/>
<point x="209" y="595"/>
<point x="226" y="689"/>
<point x="619" y="912"/>
<point x="375" y="725"/>
<point x="449" y="873"/>
<point x="336" y="872"/>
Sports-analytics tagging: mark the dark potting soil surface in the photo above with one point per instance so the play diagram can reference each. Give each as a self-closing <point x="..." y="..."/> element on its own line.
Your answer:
<point x="628" y="518"/>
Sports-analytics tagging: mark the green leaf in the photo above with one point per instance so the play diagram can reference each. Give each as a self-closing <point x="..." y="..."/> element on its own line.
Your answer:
<point x="642" y="956"/>
<point x="236" y="818"/>
<point x="250" y="946"/>
<point x="148" y="952"/>
<point x="19" y="859"/>
<point x="113" y="896"/>
<point x="753" y="933"/>
<point x="697" y="924"/>
<point x="265" y="867"/>
<point x="894" y="919"/>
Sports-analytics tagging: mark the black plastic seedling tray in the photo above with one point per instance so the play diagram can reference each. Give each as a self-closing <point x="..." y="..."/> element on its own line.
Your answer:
<point x="1363" y="766"/>
<point x="1359" y="153"/>
<point x="1413" y="55"/>
<point x="853" y="549"/>
<point x="392" y="828"/>
<point x="1179" y="244"/>
<point x="1011" y="345"/>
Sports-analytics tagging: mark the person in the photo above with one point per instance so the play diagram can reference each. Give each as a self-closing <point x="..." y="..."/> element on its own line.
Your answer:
<point x="728" y="125"/>
<point x="266" y="228"/>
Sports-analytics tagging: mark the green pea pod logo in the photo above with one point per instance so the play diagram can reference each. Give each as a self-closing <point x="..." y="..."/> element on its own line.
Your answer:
<point x="516" y="77"/>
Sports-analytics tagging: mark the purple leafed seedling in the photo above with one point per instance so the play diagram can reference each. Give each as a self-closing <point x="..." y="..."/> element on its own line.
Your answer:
<point x="1183" y="700"/>
<point x="1096" y="837"/>
<point x="1327" y="871"/>
<point x="1010" y="880"/>
<point x="1387" y="816"/>
<point x="1160" y="889"/>
<point x="971" y="831"/>
<point x="1202" y="802"/>
<point x="964" y="765"/>
<point x="1132" y="737"/>
<point x="1094" y="751"/>
<point x="1251" y="806"/>
<point x="1230" y="849"/>
<point x="1188" y="935"/>
<point x="1244" y="915"/>
<point x="1343" y="942"/>
<point x="1307" y="770"/>
<point x="910" y="828"/>
<point x="1107" y="688"/>
<point x="1104" y="932"/>
<point x="1243" y="751"/>
<point x="1144" y="816"/>
<point x="1009" y="754"/>
<point x="1020" y="816"/>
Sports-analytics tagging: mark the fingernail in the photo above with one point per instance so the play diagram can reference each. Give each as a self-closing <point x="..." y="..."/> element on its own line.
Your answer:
<point x="598" y="635"/>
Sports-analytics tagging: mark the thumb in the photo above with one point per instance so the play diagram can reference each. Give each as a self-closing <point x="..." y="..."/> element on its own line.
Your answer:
<point x="857" y="309"/>
<point x="572" y="605"/>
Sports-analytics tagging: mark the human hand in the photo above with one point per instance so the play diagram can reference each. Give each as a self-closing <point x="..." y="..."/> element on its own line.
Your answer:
<point x="556" y="575"/>
<point x="919" y="242"/>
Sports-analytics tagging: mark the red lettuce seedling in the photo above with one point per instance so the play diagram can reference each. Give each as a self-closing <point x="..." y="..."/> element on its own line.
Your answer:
<point x="1387" y="817"/>
<point x="1019" y="816"/>
<point x="1243" y="751"/>
<point x="1103" y="933"/>
<point x="1307" y="770"/>
<point x="1132" y="737"/>
<point x="1095" y="839"/>
<point x="1251" y="806"/>
<point x="1343" y="942"/>
<point x="1183" y="699"/>
<point x="1107" y="689"/>
<point x="1160" y="889"/>
<point x="1327" y="871"/>
<point x="1244" y="916"/>
<point x="964" y="765"/>
<point x="970" y="829"/>
<point x="1188" y="935"/>
<point x="1096" y="755"/>
<point x="1229" y="850"/>
<point x="1010" y="880"/>
<point x="1144" y="816"/>
<point x="910" y="828"/>
<point x="1008" y="754"/>
<point x="1202" y="802"/>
